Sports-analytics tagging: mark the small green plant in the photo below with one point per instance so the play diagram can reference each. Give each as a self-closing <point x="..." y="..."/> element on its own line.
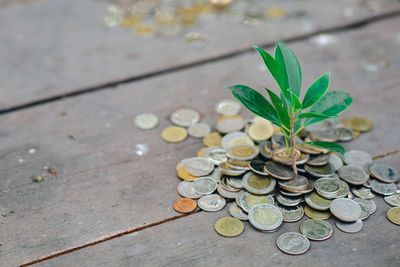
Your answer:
<point x="287" y="111"/>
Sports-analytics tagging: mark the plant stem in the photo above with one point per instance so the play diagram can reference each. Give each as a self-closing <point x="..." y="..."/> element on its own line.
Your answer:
<point x="292" y="144"/>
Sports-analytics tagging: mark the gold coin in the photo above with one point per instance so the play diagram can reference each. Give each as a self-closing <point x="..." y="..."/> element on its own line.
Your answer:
<point x="238" y="163"/>
<point x="356" y="134"/>
<point x="277" y="130"/>
<point x="260" y="131"/>
<point x="358" y="124"/>
<point x="258" y="182"/>
<point x="229" y="227"/>
<point x="226" y="117"/>
<point x="316" y="214"/>
<point x="281" y="155"/>
<point x="275" y="12"/>
<point x="242" y="151"/>
<point x="174" y="134"/>
<point x="184" y="175"/>
<point x="200" y="153"/>
<point x="212" y="139"/>
<point x="393" y="215"/>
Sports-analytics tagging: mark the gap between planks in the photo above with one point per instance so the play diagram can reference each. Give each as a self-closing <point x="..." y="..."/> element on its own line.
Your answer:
<point x="113" y="84"/>
<point x="137" y="229"/>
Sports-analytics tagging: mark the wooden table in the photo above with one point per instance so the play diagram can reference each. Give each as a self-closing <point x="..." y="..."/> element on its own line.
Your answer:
<point x="69" y="93"/>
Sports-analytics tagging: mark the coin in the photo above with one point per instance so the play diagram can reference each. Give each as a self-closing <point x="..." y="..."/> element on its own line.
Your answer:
<point x="215" y="154"/>
<point x="185" y="205"/>
<point x="258" y="184"/>
<point x="281" y="155"/>
<point x="357" y="157"/>
<point x="243" y="152"/>
<point x="211" y="202"/>
<point x="198" y="166"/>
<point x="393" y="215"/>
<point x="293" y="243"/>
<point x="204" y="185"/>
<point x="350" y="227"/>
<point x="316" y="214"/>
<point x="327" y="186"/>
<point x="320" y="171"/>
<point x="345" y="209"/>
<point x="257" y="166"/>
<point x="200" y="153"/>
<point x="228" y="107"/>
<point x="384" y="173"/>
<point x="324" y="134"/>
<point x="278" y="141"/>
<point x="288" y="201"/>
<point x="199" y="130"/>
<point x="237" y="212"/>
<point x="212" y="139"/>
<point x="146" y="121"/>
<point x="184" y="117"/>
<point x="260" y="131"/>
<point x="240" y="165"/>
<point x="174" y="134"/>
<point x="184" y="175"/>
<point x="353" y="174"/>
<point x="236" y="138"/>
<point x="383" y="188"/>
<point x="296" y="184"/>
<point x="363" y="192"/>
<point x="229" y="125"/>
<point x="229" y="227"/>
<point x="226" y="193"/>
<point x="343" y="133"/>
<point x="318" y="160"/>
<point x="364" y="211"/>
<point x="228" y="171"/>
<point x="393" y="200"/>
<point x="248" y="201"/>
<point x="185" y="189"/>
<point x="358" y="124"/>
<point x="265" y="217"/>
<point x="291" y="214"/>
<point x="317" y="202"/>
<point x="335" y="161"/>
<point x="316" y="229"/>
<point x="309" y="149"/>
<point x="265" y="149"/>
<point x="278" y="171"/>
<point x="343" y="191"/>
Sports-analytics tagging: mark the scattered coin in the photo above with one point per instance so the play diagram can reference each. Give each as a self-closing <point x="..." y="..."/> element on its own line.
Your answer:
<point x="320" y="171"/>
<point x="226" y="193"/>
<point x="343" y="133"/>
<point x="316" y="229"/>
<point x="248" y="201"/>
<point x="353" y="174"/>
<point x="211" y="202"/>
<point x="174" y="134"/>
<point x="146" y="121"/>
<point x="257" y="166"/>
<point x="318" y="160"/>
<point x="393" y="200"/>
<point x="293" y="243"/>
<point x="185" y="205"/>
<point x="327" y="186"/>
<point x="212" y="139"/>
<point x="317" y="202"/>
<point x="288" y="201"/>
<point x="324" y="134"/>
<point x="243" y="152"/>
<point x="358" y="124"/>
<point x="296" y="184"/>
<point x="383" y="188"/>
<point x="184" y="175"/>
<point x="184" y="117"/>
<point x="363" y="192"/>
<point x="257" y="184"/>
<point x="198" y="166"/>
<point x="265" y="217"/>
<point x="199" y="130"/>
<point x="350" y="227"/>
<point x="240" y="165"/>
<point x="291" y="214"/>
<point x="384" y="173"/>
<point x="237" y="212"/>
<point x="346" y="210"/>
<point x="232" y="124"/>
<point x="278" y="171"/>
<point x="358" y="157"/>
<point x="229" y="171"/>
<point x="229" y="227"/>
<point x="228" y="107"/>
<point x="265" y="149"/>
<point x="393" y="215"/>
<point x="281" y="155"/>
<point x="364" y="211"/>
<point x="316" y="214"/>
<point x="215" y="154"/>
<point x="204" y="185"/>
<point x="186" y="190"/>
<point x="260" y="131"/>
<point x="335" y="161"/>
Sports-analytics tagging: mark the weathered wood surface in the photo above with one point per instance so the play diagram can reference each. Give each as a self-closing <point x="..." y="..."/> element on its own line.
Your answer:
<point x="102" y="187"/>
<point x="192" y="241"/>
<point x="50" y="48"/>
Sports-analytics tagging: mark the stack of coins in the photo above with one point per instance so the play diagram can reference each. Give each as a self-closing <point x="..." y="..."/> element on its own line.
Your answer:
<point x="246" y="162"/>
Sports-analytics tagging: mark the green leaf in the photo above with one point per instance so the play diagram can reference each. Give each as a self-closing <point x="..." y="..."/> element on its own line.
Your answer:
<point x="313" y="115"/>
<point x="282" y="113"/>
<point x="255" y="102"/>
<point x="269" y="61"/>
<point x="316" y="90"/>
<point x="328" y="145"/>
<point x="287" y="63"/>
<point x="331" y="104"/>
<point x="296" y="102"/>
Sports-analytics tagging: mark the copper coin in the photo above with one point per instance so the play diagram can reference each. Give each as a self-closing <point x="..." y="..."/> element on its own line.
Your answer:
<point x="185" y="205"/>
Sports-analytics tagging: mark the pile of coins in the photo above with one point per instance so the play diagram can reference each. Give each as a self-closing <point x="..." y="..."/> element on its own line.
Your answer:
<point x="245" y="163"/>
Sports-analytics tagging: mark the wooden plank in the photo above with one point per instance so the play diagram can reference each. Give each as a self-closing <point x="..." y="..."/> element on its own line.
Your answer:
<point x="51" y="48"/>
<point x="193" y="241"/>
<point x="103" y="187"/>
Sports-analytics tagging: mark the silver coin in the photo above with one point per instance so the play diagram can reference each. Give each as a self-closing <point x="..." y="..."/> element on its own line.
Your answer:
<point x="239" y="197"/>
<point x="230" y="172"/>
<point x="266" y="149"/>
<point x="317" y="202"/>
<point x="185" y="117"/>
<point x="248" y="201"/>
<point x="320" y="171"/>
<point x="257" y="166"/>
<point x="363" y="192"/>
<point x="318" y="160"/>
<point x="235" y="138"/>
<point x="353" y="174"/>
<point x="394" y="199"/>
<point x="278" y="171"/>
<point x="258" y="184"/>
<point x="146" y="121"/>
<point x="237" y="212"/>
<point x="228" y="107"/>
<point x="316" y="229"/>
<point x="343" y="133"/>
<point x="291" y="214"/>
<point x="199" y="130"/>
<point x="236" y="182"/>
<point x="216" y="175"/>
<point x="364" y="211"/>
<point x="204" y="185"/>
<point x="233" y="164"/>
<point x="215" y="154"/>
<point x="226" y="186"/>
<point x="185" y="189"/>
<point x="327" y="186"/>
<point x="345" y="209"/>
<point x="288" y="201"/>
<point x="293" y="243"/>
<point x="383" y="188"/>
<point x="226" y="193"/>
<point x="335" y="161"/>
<point x="198" y="166"/>
<point x="253" y="149"/>
<point x="358" y="157"/>
<point x="384" y="172"/>
<point x="230" y="125"/>
<point x="211" y="202"/>
<point x="350" y="227"/>
<point x="289" y="194"/>
<point x="326" y="134"/>
<point x="265" y="217"/>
